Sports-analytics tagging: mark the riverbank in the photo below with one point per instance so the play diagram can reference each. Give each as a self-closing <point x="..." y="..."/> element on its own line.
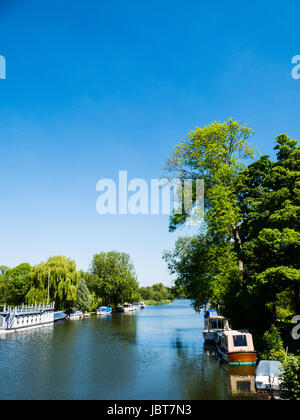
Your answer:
<point x="160" y="302"/>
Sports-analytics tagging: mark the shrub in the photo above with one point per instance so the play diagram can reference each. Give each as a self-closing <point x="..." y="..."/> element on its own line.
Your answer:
<point x="291" y="380"/>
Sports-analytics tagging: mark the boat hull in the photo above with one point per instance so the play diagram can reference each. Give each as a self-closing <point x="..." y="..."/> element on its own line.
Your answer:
<point x="239" y="358"/>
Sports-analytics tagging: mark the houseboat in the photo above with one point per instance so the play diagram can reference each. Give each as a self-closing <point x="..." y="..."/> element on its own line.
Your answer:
<point x="104" y="310"/>
<point x="26" y="317"/>
<point x="236" y="348"/>
<point x="214" y="324"/>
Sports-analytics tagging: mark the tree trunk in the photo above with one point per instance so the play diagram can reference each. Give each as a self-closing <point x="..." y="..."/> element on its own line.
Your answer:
<point x="238" y="243"/>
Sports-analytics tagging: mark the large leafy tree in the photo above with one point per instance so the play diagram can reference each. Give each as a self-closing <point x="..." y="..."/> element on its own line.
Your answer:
<point x="269" y="193"/>
<point x="15" y="284"/>
<point x="63" y="278"/>
<point x="112" y="277"/>
<point x="210" y="265"/>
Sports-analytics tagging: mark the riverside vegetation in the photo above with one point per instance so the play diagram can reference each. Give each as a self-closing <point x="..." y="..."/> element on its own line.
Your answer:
<point x="245" y="258"/>
<point x="111" y="281"/>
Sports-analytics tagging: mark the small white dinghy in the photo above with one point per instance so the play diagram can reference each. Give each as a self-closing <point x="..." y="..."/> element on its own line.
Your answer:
<point x="268" y="375"/>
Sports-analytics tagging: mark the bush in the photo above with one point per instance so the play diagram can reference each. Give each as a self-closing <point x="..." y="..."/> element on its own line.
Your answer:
<point x="273" y="345"/>
<point x="291" y="380"/>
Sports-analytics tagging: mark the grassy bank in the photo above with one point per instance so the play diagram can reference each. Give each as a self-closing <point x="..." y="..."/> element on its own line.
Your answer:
<point x="161" y="302"/>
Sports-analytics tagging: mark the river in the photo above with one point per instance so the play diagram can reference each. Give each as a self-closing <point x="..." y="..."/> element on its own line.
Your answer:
<point x="157" y="353"/>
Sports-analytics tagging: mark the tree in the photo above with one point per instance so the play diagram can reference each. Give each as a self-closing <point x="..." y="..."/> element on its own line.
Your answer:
<point x="63" y="277"/>
<point x="112" y="277"/>
<point x="15" y="284"/>
<point x="84" y="298"/>
<point x="216" y="154"/>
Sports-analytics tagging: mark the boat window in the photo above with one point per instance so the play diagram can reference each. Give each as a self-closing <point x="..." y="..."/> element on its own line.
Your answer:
<point x="240" y="340"/>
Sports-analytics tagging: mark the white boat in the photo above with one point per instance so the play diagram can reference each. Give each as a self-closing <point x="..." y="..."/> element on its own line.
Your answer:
<point x="86" y="315"/>
<point x="128" y="307"/>
<point x="104" y="310"/>
<point x="143" y="305"/>
<point x="25" y="318"/>
<point x="214" y="324"/>
<point x="267" y="375"/>
<point x="74" y="315"/>
<point x="236" y="348"/>
<point x="137" y="306"/>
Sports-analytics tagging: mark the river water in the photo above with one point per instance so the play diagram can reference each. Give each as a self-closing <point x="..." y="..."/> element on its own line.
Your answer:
<point x="157" y="353"/>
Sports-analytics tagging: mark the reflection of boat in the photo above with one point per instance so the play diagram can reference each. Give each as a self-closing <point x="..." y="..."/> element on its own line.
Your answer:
<point x="267" y="375"/>
<point x="74" y="315"/>
<point x="242" y="379"/>
<point x="104" y="310"/>
<point x="214" y="324"/>
<point x="26" y="317"/>
<point x="236" y="348"/>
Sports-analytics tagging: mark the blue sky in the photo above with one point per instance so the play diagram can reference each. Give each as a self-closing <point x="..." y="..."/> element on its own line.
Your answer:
<point x="95" y="87"/>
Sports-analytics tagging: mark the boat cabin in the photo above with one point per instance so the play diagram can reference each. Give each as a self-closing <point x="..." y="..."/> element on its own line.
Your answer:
<point x="237" y="348"/>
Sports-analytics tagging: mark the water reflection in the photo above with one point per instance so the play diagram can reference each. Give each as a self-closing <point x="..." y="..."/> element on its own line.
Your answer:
<point x="158" y="353"/>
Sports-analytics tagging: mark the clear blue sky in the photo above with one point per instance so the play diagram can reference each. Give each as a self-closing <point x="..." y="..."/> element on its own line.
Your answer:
<point x="94" y="87"/>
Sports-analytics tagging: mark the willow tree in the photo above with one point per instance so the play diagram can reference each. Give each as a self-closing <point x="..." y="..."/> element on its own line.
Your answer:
<point x="62" y="277"/>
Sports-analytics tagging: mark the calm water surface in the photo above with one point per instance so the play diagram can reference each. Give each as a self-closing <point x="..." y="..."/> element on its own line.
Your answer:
<point x="157" y="353"/>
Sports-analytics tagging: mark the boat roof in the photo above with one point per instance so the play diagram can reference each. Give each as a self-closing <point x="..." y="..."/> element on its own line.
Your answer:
<point x="269" y="367"/>
<point x="236" y="332"/>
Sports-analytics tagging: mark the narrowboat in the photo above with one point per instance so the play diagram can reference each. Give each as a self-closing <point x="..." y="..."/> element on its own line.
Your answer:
<point x="236" y="348"/>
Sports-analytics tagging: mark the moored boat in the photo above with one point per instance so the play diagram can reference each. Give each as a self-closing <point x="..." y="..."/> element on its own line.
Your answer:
<point x="214" y="324"/>
<point x="128" y="307"/>
<point x="74" y="315"/>
<point x="59" y="316"/>
<point x="268" y="375"/>
<point x="236" y="348"/>
<point x="104" y="310"/>
<point x="143" y="305"/>
<point x="26" y="317"/>
<point x="136" y="306"/>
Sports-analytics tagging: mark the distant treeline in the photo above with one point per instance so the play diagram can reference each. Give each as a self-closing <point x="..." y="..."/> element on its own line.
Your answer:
<point x="110" y="280"/>
<point x="158" y="293"/>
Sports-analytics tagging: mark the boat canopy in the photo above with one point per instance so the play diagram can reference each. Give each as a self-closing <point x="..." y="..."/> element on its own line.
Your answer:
<point x="269" y="368"/>
<point x="211" y="313"/>
<point x="238" y="341"/>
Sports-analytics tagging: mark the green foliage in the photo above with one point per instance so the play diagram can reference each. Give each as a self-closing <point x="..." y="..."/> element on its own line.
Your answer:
<point x="64" y="279"/>
<point x="156" y="293"/>
<point x="112" y="277"/>
<point x="84" y="298"/>
<point x="291" y="380"/>
<point x="245" y="258"/>
<point x="15" y="283"/>
<point x="273" y="345"/>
